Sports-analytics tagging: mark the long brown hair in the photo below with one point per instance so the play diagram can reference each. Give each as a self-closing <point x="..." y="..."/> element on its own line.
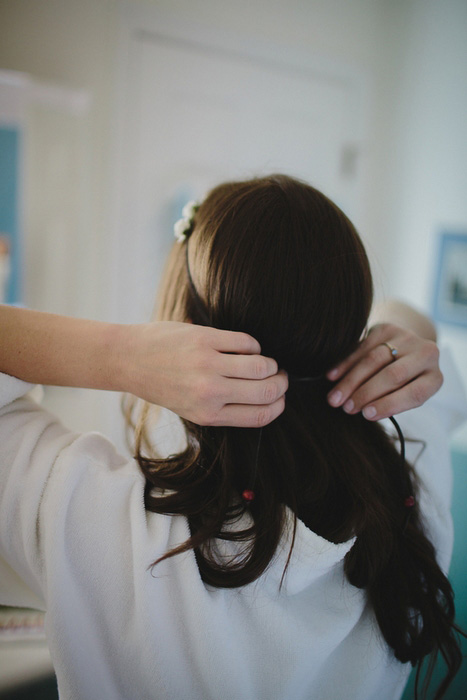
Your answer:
<point x="275" y="258"/>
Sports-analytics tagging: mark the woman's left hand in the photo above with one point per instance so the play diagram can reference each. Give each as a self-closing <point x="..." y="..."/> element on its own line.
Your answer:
<point x="380" y="384"/>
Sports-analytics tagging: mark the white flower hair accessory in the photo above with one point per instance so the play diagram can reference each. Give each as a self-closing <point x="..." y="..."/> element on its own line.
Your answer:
<point x="184" y="226"/>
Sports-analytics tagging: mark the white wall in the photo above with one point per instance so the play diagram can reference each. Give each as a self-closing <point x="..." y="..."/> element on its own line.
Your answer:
<point x="73" y="44"/>
<point x="428" y="162"/>
<point x="430" y="155"/>
<point x="76" y="44"/>
<point x="413" y="53"/>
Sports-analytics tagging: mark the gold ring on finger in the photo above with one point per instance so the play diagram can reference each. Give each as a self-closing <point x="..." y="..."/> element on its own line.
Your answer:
<point x="392" y="350"/>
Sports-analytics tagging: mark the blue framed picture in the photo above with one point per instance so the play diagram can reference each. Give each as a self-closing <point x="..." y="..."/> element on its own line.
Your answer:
<point x="450" y="299"/>
<point x="10" y="239"/>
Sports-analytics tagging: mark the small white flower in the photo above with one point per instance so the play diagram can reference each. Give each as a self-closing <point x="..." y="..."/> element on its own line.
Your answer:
<point x="190" y="209"/>
<point x="180" y="229"/>
<point x="183" y="226"/>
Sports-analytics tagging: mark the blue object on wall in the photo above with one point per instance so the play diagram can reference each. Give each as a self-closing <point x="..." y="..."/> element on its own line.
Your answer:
<point x="450" y="293"/>
<point x="10" y="148"/>
<point x="458" y="579"/>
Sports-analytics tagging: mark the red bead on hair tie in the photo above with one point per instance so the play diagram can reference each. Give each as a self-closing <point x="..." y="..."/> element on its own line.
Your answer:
<point x="409" y="502"/>
<point x="248" y="495"/>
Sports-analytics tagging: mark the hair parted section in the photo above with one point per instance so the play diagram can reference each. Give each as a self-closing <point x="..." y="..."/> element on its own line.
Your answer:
<point x="275" y="258"/>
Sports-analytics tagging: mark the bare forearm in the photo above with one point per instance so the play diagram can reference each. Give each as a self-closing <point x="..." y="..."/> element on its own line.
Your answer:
<point x="46" y="348"/>
<point x="206" y="375"/>
<point x="403" y="315"/>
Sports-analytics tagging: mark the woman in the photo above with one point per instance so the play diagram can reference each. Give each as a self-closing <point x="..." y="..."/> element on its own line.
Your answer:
<point x="281" y="553"/>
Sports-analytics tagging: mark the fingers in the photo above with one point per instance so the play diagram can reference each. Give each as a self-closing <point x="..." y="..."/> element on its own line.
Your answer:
<point x="406" y="398"/>
<point x="249" y="416"/>
<point x="246" y="366"/>
<point x="235" y="385"/>
<point x="263" y="392"/>
<point x="387" y="381"/>
<point x="237" y="402"/>
<point x="371" y="381"/>
<point x="373" y="356"/>
<point x="234" y="342"/>
<point x="376" y="337"/>
<point x="388" y="376"/>
<point x="237" y="355"/>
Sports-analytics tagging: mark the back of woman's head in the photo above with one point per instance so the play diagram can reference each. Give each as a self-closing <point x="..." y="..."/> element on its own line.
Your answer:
<point x="275" y="258"/>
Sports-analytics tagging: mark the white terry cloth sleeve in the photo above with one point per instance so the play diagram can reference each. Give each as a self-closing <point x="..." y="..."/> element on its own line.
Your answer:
<point x="30" y="441"/>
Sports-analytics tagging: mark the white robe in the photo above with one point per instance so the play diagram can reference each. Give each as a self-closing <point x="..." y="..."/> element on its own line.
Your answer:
<point x="76" y="541"/>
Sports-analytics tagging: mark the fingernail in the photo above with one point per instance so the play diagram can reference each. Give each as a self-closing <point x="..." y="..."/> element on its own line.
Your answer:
<point x="332" y="374"/>
<point x="369" y="412"/>
<point x="349" y="406"/>
<point x="335" y="397"/>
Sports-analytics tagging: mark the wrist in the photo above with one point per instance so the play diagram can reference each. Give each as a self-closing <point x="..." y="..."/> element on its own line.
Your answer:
<point x="116" y="366"/>
<point x="401" y="314"/>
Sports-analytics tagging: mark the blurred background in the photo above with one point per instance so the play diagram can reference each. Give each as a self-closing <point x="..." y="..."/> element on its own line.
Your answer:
<point x="114" y="114"/>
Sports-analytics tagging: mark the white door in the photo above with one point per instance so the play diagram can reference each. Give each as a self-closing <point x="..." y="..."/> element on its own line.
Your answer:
<point x="199" y="110"/>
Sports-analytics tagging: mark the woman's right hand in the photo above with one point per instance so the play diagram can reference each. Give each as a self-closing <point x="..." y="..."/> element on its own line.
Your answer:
<point x="206" y="375"/>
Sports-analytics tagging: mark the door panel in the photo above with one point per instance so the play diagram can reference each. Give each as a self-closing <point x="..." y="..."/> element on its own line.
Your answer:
<point x="197" y="115"/>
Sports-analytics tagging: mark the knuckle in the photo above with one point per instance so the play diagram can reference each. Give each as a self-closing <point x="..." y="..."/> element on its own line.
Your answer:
<point x="404" y="334"/>
<point x="433" y="383"/>
<point x="200" y="364"/>
<point x="200" y="336"/>
<point x="418" y="394"/>
<point x="247" y="341"/>
<point x="374" y="356"/>
<point x="204" y="390"/>
<point x="209" y="417"/>
<point x="263" y="416"/>
<point x="390" y="329"/>
<point x="440" y="378"/>
<point x="200" y="359"/>
<point x="260" y="369"/>
<point x="270" y="392"/>
<point x="398" y="373"/>
<point x="432" y="351"/>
